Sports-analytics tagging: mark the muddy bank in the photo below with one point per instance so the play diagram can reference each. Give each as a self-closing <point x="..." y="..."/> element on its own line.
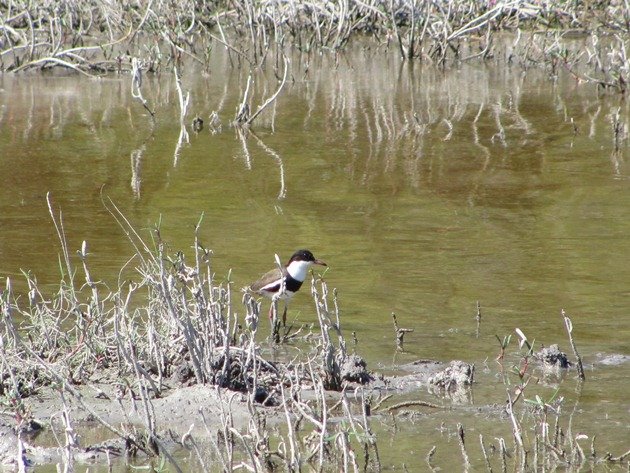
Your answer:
<point x="182" y="411"/>
<point x="186" y="411"/>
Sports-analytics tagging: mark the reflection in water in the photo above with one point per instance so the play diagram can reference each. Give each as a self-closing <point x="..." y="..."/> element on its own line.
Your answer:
<point x="184" y="101"/>
<point x="136" y="170"/>
<point x="183" y="138"/>
<point x="283" y="190"/>
<point x="243" y="133"/>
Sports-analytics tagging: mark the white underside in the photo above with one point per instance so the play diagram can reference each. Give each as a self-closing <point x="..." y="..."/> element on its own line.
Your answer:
<point x="299" y="269"/>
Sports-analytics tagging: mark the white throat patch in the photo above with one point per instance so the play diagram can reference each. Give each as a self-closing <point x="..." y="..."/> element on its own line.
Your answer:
<point x="298" y="269"/>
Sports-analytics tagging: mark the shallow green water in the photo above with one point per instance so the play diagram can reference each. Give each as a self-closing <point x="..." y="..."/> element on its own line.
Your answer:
<point x="424" y="190"/>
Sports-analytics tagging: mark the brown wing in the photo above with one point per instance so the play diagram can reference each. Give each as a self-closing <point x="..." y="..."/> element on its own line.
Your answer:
<point x="267" y="279"/>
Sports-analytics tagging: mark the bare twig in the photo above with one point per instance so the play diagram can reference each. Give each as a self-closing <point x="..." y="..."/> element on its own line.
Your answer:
<point x="569" y="326"/>
<point x="274" y="96"/>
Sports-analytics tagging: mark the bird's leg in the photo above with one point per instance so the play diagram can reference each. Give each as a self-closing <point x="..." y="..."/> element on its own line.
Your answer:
<point x="284" y="315"/>
<point x="275" y="323"/>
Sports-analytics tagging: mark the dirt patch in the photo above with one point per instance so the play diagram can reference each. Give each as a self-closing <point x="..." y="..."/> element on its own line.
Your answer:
<point x="182" y="410"/>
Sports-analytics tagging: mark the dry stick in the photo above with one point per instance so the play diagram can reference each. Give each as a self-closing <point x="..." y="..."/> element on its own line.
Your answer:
<point x="370" y="440"/>
<point x="400" y="333"/>
<point x="144" y="18"/>
<point x="21" y="457"/>
<point x="485" y="50"/>
<point x="593" y="452"/>
<point x="537" y="442"/>
<point x="228" y="46"/>
<point x="142" y="376"/>
<point x="429" y="457"/>
<point x="228" y="425"/>
<point x="180" y="49"/>
<point x="311" y="416"/>
<point x="569" y="326"/>
<point x="186" y="326"/>
<point x="503" y="450"/>
<point x="324" y="429"/>
<point x="294" y="460"/>
<point x="246" y="440"/>
<point x="340" y="23"/>
<point x="211" y="436"/>
<point x="541" y="442"/>
<point x="609" y="458"/>
<point x="412" y="30"/>
<point x="227" y="361"/>
<point x="242" y="115"/>
<point x="350" y="418"/>
<point x="427" y="14"/>
<point x="516" y="428"/>
<point x="71" y="437"/>
<point x="462" y="445"/>
<point x="484" y="19"/>
<point x="400" y="405"/>
<point x="381" y="401"/>
<point x="128" y="355"/>
<point x="401" y="47"/>
<point x="342" y="440"/>
<point x="183" y="101"/>
<point x="188" y="437"/>
<point x="485" y="454"/>
<point x="478" y="317"/>
<point x="61" y="234"/>
<point x="136" y="240"/>
<point x="58" y="61"/>
<point x="579" y="457"/>
<point x="67" y="52"/>
<point x="136" y="84"/>
<point x="259" y="436"/>
<point x="273" y="97"/>
<point x="248" y="7"/>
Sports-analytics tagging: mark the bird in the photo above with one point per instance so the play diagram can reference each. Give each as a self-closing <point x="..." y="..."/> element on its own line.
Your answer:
<point x="283" y="283"/>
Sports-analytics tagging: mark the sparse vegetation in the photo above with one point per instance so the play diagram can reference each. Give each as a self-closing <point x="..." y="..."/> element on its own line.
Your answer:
<point x="169" y="326"/>
<point x="94" y="37"/>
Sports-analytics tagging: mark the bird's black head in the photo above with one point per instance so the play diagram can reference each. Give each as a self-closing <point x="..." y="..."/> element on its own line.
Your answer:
<point x="306" y="255"/>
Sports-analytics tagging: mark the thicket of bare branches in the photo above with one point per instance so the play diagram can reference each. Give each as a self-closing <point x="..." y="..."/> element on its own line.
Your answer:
<point x="94" y="36"/>
<point x="170" y="322"/>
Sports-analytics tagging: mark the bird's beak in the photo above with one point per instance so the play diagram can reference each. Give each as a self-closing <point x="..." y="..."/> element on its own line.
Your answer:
<point x="319" y="262"/>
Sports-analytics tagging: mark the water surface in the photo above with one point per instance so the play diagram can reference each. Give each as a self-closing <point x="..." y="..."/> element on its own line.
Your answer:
<point x="425" y="191"/>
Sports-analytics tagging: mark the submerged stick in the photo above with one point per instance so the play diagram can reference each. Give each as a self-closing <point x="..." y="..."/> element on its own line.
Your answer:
<point x="478" y="317"/>
<point x="569" y="326"/>
<point x="273" y="97"/>
<point x="412" y="403"/>
<point x="462" y="445"/>
<point x="136" y="84"/>
<point x="485" y="454"/>
<point x="400" y="333"/>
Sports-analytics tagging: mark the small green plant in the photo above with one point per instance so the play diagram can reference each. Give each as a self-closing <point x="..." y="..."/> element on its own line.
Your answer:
<point x="14" y="405"/>
<point x="504" y="343"/>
